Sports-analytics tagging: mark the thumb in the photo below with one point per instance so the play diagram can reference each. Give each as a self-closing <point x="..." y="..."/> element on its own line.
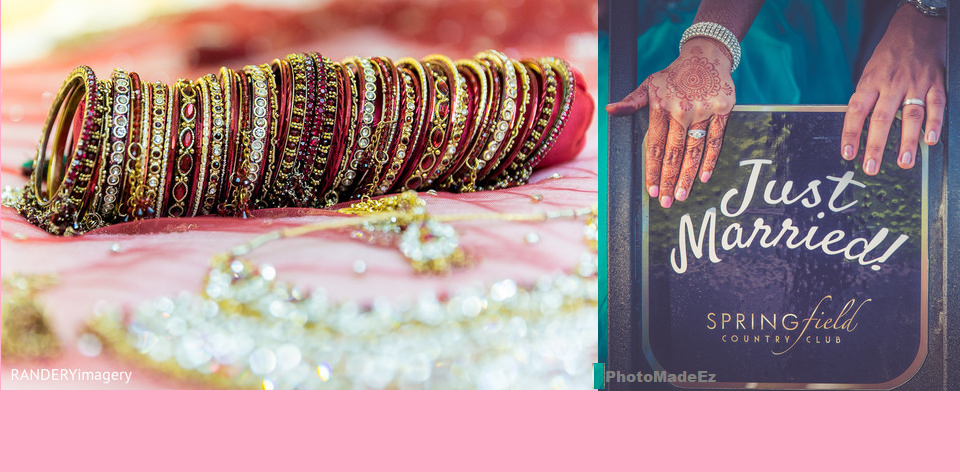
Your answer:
<point x="631" y="103"/>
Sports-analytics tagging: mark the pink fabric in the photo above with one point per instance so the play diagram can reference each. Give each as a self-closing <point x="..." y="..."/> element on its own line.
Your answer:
<point x="163" y="257"/>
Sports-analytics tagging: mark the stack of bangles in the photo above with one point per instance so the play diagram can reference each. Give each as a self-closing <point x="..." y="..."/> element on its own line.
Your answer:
<point x="301" y="131"/>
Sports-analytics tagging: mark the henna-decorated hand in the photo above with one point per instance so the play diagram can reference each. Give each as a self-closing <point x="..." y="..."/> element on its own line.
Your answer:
<point x="909" y="62"/>
<point x="696" y="92"/>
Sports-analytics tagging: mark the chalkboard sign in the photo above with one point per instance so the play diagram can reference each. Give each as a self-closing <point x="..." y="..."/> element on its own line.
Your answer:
<point x="790" y="268"/>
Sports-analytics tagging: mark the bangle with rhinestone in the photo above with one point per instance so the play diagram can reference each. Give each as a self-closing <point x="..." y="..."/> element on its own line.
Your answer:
<point x="118" y="143"/>
<point x="483" y="105"/>
<point x="387" y="130"/>
<point x="562" y="113"/>
<point x="423" y="118"/>
<point x="546" y="107"/>
<point x="156" y="161"/>
<point x="254" y="124"/>
<point x="360" y="157"/>
<point x="529" y="101"/>
<point x="500" y="65"/>
<point x="408" y="106"/>
<point x="521" y="120"/>
<point x="271" y="150"/>
<point x="718" y="32"/>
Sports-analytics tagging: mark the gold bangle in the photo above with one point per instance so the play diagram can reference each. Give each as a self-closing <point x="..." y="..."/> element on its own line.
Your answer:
<point x="295" y="117"/>
<point x="422" y="121"/>
<point x="480" y="132"/>
<point x="563" y="112"/>
<point x="92" y="203"/>
<point x="438" y="131"/>
<point x="155" y="164"/>
<point x="139" y="156"/>
<point x="457" y="115"/>
<point x="203" y="157"/>
<point x="232" y="146"/>
<point x="186" y="138"/>
<point x="409" y="107"/>
<point x="332" y="195"/>
<point x="540" y="125"/>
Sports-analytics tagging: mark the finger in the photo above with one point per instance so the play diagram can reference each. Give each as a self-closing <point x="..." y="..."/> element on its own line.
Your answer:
<point x="673" y="156"/>
<point x="936" y="101"/>
<point x="860" y="105"/>
<point x="880" y="120"/>
<point x="912" y="123"/>
<point x="656" y="142"/>
<point x="631" y="103"/>
<point x="718" y="124"/>
<point x="692" y="156"/>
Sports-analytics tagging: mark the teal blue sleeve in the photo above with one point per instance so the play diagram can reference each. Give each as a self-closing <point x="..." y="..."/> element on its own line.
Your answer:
<point x="796" y="51"/>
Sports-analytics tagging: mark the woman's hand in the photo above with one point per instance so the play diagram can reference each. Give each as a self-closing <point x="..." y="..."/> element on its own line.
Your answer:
<point x="689" y="102"/>
<point x="908" y="63"/>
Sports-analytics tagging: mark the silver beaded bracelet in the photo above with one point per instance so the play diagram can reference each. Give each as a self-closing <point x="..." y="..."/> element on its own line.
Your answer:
<point x="718" y="32"/>
<point x="935" y="8"/>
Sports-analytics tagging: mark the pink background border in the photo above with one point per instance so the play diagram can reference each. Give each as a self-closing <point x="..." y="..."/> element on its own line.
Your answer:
<point x="455" y="430"/>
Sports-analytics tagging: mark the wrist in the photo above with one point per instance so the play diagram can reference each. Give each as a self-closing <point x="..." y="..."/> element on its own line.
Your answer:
<point x="709" y="47"/>
<point x="914" y="27"/>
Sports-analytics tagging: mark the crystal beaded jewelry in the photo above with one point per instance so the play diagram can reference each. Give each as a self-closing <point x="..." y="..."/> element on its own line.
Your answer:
<point x="717" y="32"/>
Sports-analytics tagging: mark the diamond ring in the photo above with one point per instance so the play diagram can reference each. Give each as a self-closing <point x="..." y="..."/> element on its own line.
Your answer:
<point x="913" y="101"/>
<point x="696" y="133"/>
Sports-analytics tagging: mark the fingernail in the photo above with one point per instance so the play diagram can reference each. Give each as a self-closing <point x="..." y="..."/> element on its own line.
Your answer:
<point x="611" y="107"/>
<point x="666" y="201"/>
<point x="654" y="191"/>
<point x="907" y="158"/>
<point x="870" y="167"/>
<point x="704" y="177"/>
<point x="681" y="194"/>
<point x="932" y="138"/>
<point x="848" y="152"/>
